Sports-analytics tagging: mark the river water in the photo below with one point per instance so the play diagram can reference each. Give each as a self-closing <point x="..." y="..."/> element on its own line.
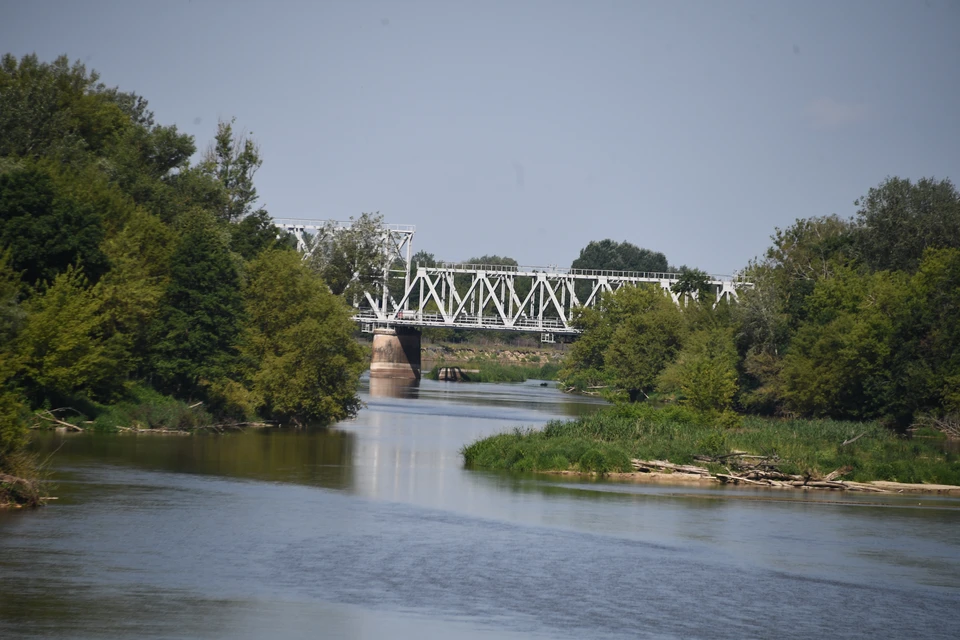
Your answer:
<point x="373" y="529"/>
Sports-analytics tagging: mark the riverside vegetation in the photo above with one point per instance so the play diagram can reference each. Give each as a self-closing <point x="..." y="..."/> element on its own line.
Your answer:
<point x="844" y="356"/>
<point x="139" y="288"/>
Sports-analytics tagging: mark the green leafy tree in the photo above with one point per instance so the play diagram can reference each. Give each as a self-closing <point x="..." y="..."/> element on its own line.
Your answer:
<point x="692" y="282"/>
<point x="46" y="228"/>
<point x="233" y="159"/>
<point x="255" y="233"/>
<point x="424" y="259"/>
<point x="899" y="219"/>
<point x="841" y="362"/>
<point x="131" y="291"/>
<point x="197" y="325"/>
<point x="55" y="109"/>
<point x="929" y="355"/>
<point x="353" y="260"/>
<point x="646" y="339"/>
<point x="616" y="256"/>
<point x="299" y="343"/>
<point x="619" y="256"/>
<point x="626" y="341"/>
<point x="705" y="371"/>
<point x="62" y="349"/>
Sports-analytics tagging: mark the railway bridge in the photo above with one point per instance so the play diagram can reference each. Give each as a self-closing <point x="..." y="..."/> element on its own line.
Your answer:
<point x="406" y="297"/>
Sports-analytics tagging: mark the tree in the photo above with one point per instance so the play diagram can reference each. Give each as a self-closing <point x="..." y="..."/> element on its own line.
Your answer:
<point x="253" y="234"/>
<point x="692" y="282"/>
<point x="233" y="160"/>
<point x="200" y="315"/>
<point x="131" y="291"/>
<point x="13" y="427"/>
<point x="46" y="228"/>
<point x="353" y="260"/>
<point x="930" y="345"/>
<point x="626" y="341"/>
<point x="62" y="350"/>
<point x="423" y="259"/>
<point x="647" y="336"/>
<point x="842" y="360"/>
<point x="619" y="256"/>
<point x="56" y="109"/>
<point x="299" y="343"/>
<point x="898" y="220"/>
<point x="705" y="371"/>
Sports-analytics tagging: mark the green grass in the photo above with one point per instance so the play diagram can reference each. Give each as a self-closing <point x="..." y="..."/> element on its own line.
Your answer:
<point x="607" y="440"/>
<point x="148" y="409"/>
<point x="496" y="372"/>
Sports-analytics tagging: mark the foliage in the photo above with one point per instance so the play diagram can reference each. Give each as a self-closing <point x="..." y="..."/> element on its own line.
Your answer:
<point x="56" y="109"/>
<point x="619" y="256"/>
<point x="898" y="220"/>
<point x="200" y="315"/>
<point x="607" y="440"/>
<point x="626" y="342"/>
<point x="692" y="282"/>
<point x="46" y="228"/>
<point x="130" y="292"/>
<point x="232" y="160"/>
<point x="62" y="349"/>
<point x="145" y="408"/>
<point x="705" y="371"/>
<point x="304" y="364"/>
<point x="353" y="260"/>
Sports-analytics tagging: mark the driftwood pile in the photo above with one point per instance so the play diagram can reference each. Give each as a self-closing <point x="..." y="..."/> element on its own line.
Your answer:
<point x="744" y="468"/>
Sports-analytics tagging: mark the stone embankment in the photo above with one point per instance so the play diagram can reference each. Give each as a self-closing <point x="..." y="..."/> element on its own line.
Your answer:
<point x="455" y="354"/>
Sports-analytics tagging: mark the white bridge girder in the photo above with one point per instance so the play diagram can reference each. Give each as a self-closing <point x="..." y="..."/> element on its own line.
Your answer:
<point x="530" y="299"/>
<point x="478" y="296"/>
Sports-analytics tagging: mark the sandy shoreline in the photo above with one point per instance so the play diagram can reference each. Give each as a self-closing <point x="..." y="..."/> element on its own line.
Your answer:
<point x="695" y="479"/>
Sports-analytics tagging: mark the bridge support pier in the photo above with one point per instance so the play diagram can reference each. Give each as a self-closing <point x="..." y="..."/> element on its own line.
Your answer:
<point x="396" y="353"/>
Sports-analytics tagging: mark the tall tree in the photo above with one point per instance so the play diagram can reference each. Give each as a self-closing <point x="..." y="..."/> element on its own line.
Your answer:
<point x="46" y="228"/>
<point x="299" y="343"/>
<point x="56" y="109"/>
<point x="62" y="348"/>
<point x="353" y="260"/>
<point x="619" y="256"/>
<point x="704" y="373"/>
<point x="195" y="330"/>
<point x="233" y="159"/>
<point x="899" y="219"/>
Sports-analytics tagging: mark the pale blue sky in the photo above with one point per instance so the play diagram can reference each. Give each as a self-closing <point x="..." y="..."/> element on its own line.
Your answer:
<point x="527" y="128"/>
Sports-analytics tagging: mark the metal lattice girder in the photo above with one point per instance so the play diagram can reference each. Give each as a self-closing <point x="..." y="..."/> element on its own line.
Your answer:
<point x="480" y="296"/>
<point x="473" y="296"/>
<point x="395" y="240"/>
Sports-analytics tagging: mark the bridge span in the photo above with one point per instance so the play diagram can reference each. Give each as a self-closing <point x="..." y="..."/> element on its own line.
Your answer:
<point x="408" y="297"/>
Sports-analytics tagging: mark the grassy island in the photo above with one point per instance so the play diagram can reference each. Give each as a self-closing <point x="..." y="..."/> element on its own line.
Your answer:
<point x="608" y="440"/>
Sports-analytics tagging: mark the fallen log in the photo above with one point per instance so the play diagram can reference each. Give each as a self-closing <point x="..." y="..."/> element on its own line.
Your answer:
<point x="842" y="471"/>
<point x="49" y="417"/>
<point x="663" y="465"/>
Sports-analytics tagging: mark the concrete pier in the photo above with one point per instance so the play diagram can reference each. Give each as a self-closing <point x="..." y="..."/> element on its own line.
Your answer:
<point x="396" y="354"/>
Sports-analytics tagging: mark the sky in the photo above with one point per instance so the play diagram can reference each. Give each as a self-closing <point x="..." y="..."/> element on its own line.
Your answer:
<point x="527" y="128"/>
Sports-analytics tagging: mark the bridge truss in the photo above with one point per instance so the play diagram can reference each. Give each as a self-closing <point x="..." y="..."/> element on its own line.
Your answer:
<point x="481" y="296"/>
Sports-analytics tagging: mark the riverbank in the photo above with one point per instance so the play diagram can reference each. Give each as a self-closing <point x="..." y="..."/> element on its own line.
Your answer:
<point x="623" y="441"/>
<point x="494" y="363"/>
<point x="658" y="477"/>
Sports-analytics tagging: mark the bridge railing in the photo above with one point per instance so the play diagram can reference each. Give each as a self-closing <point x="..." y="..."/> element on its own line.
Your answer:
<point x="469" y="267"/>
<point x="313" y="223"/>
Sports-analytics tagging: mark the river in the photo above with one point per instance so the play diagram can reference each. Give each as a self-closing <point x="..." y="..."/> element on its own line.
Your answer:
<point x="372" y="529"/>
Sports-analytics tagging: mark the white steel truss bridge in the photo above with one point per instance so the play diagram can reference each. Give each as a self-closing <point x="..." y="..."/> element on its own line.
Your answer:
<point x="482" y="296"/>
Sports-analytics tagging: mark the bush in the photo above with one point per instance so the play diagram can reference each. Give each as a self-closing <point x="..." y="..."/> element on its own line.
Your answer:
<point x="146" y="408"/>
